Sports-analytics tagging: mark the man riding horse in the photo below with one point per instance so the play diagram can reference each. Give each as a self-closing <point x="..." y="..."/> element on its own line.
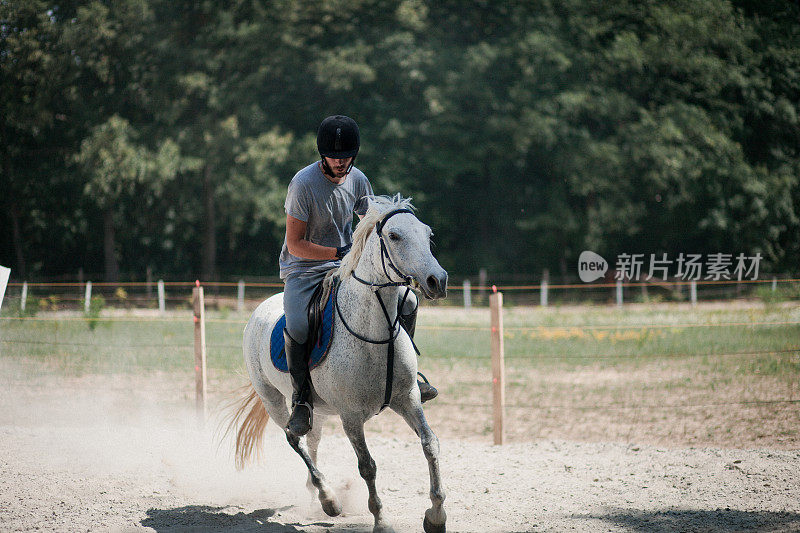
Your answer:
<point x="320" y="203"/>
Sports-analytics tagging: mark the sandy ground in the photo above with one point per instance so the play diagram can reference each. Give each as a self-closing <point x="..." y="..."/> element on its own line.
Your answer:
<point x="121" y="454"/>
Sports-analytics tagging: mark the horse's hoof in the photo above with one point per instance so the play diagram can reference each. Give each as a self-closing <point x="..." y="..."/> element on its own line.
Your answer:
<point x="430" y="527"/>
<point x="331" y="506"/>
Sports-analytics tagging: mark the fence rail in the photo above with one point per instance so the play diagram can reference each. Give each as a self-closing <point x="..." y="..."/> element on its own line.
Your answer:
<point x="28" y="298"/>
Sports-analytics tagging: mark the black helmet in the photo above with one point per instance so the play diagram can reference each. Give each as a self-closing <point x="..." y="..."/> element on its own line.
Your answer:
<point x="338" y="137"/>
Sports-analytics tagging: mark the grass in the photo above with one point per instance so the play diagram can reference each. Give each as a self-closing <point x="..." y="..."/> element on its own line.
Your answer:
<point x="664" y="372"/>
<point x="574" y="337"/>
<point x="760" y="339"/>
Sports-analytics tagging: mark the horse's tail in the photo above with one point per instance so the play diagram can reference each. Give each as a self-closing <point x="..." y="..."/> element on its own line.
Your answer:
<point x="247" y="413"/>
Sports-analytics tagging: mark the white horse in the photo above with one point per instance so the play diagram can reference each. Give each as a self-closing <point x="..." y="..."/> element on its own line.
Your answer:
<point x="391" y="252"/>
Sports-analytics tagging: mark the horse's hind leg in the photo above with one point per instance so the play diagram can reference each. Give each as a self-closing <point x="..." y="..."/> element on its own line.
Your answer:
<point x="368" y="471"/>
<point x="312" y="440"/>
<point x="275" y="403"/>
<point x="330" y="504"/>
<point x="435" y="517"/>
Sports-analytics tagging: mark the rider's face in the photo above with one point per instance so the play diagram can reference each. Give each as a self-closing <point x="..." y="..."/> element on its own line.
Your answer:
<point x="339" y="166"/>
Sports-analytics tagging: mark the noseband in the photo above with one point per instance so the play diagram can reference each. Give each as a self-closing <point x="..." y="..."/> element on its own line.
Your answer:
<point x="394" y="330"/>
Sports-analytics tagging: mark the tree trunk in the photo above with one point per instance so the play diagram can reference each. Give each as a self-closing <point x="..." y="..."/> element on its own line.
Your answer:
<point x="17" y="236"/>
<point x="209" y="251"/>
<point x="109" y="246"/>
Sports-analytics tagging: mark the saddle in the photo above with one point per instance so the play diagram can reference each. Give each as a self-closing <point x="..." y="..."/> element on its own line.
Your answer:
<point x="316" y="308"/>
<point x="320" y="331"/>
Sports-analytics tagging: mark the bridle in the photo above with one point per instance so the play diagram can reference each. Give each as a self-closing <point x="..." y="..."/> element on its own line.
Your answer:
<point x="394" y="331"/>
<point x="407" y="280"/>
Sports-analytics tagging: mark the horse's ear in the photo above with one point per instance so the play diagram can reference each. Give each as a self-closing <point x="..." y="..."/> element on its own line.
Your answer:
<point x="372" y="203"/>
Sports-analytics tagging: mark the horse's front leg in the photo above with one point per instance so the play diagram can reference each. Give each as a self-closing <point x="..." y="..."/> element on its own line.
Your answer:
<point x="366" y="467"/>
<point x="412" y="412"/>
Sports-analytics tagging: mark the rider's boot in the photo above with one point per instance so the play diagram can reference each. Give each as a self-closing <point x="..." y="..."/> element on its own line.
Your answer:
<point x="302" y="410"/>
<point x="426" y="390"/>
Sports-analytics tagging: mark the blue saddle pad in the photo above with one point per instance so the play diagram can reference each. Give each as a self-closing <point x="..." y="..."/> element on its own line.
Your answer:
<point x="320" y="349"/>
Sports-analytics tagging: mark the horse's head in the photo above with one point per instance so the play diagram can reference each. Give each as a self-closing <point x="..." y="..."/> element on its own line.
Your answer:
<point x="399" y="249"/>
<point x="406" y="253"/>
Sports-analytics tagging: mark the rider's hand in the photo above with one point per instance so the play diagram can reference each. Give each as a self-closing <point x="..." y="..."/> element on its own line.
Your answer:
<point x="341" y="251"/>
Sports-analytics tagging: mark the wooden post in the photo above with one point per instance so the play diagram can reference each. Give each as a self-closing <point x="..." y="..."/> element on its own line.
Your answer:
<point x="774" y="283"/>
<point x="161" y="304"/>
<point x="498" y="364"/>
<point x="87" y="297"/>
<point x="240" y="297"/>
<point x="23" y="298"/>
<point x="199" y="352"/>
<point x="619" y="293"/>
<point x="467" y="294"/>
<point x="693" y="290"/>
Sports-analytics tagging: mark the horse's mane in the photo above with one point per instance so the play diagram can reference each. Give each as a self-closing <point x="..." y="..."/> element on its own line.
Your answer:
<point x="378" y="207"/>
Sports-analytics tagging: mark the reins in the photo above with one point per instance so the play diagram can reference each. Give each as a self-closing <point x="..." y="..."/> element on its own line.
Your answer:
<point x="394" y="331"/>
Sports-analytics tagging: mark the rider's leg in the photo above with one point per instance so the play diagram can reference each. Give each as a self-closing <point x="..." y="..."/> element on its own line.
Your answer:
<point x="408" y="319"/>
<point x="297" y="293"/>
<point x="297" y="359"/>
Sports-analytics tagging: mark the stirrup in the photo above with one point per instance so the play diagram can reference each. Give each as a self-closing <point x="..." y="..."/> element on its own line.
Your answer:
<point x="307" y="405"/>
<point x="427" y="392"/>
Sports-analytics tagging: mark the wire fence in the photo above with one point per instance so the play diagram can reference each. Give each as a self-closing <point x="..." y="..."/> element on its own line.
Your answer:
<point x="22" y="338"/>
<point x="752" y="357"/>
<point x="34" y="297"/>
<point x="622" y="406"/>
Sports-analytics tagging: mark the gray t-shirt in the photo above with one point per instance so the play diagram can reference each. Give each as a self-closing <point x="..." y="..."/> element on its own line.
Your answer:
<point x="327" y="209"/>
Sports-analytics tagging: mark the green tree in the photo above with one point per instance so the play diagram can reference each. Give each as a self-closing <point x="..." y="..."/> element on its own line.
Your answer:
<point x="114" y="165"/>
<point x="33" y="103"/>
<point x="119" y="170"/>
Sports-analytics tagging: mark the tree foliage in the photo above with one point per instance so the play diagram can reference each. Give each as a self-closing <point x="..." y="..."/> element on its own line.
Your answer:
<point x="526" y="131"/>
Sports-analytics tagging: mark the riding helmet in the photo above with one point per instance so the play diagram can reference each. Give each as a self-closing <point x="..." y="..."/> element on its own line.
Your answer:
<point x="338" y="137"/>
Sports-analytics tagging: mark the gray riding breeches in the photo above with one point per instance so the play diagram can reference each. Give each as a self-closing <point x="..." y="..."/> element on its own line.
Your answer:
<point x="297" y="292"/>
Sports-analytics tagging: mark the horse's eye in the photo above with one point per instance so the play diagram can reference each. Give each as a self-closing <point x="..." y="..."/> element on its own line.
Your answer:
<point x="394" y="236"/>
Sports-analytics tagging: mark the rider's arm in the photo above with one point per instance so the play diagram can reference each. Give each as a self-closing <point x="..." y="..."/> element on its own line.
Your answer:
<point x="300" y="247"/>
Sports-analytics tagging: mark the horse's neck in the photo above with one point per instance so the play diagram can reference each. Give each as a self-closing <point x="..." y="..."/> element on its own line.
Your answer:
<point x="366" y="306"/>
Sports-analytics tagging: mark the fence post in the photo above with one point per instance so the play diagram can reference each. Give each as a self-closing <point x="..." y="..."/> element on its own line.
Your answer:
<point x="774" y="283"/>
<point x="23" y="298"/>
<point x="87" y="297"/>
<point x="240" y="297"/>
<point x="693" y="291"/>
<point x="619" y="293"/>
<point x="498" y="364"/>
<point x="199" y="352"/>
<point x="483" y="276"/>
<point x="543" y="294"/>
<point x="467" y="294"/>
<point x="161" y="304"/>
<point x="5" y="273"/>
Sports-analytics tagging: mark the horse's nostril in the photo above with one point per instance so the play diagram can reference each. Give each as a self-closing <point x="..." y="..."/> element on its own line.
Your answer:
<point x="432" y="282"/>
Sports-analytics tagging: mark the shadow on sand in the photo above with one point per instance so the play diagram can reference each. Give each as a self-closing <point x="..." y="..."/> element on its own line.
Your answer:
<point x="722" y="520"/>
<point x="203" y="518"/>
